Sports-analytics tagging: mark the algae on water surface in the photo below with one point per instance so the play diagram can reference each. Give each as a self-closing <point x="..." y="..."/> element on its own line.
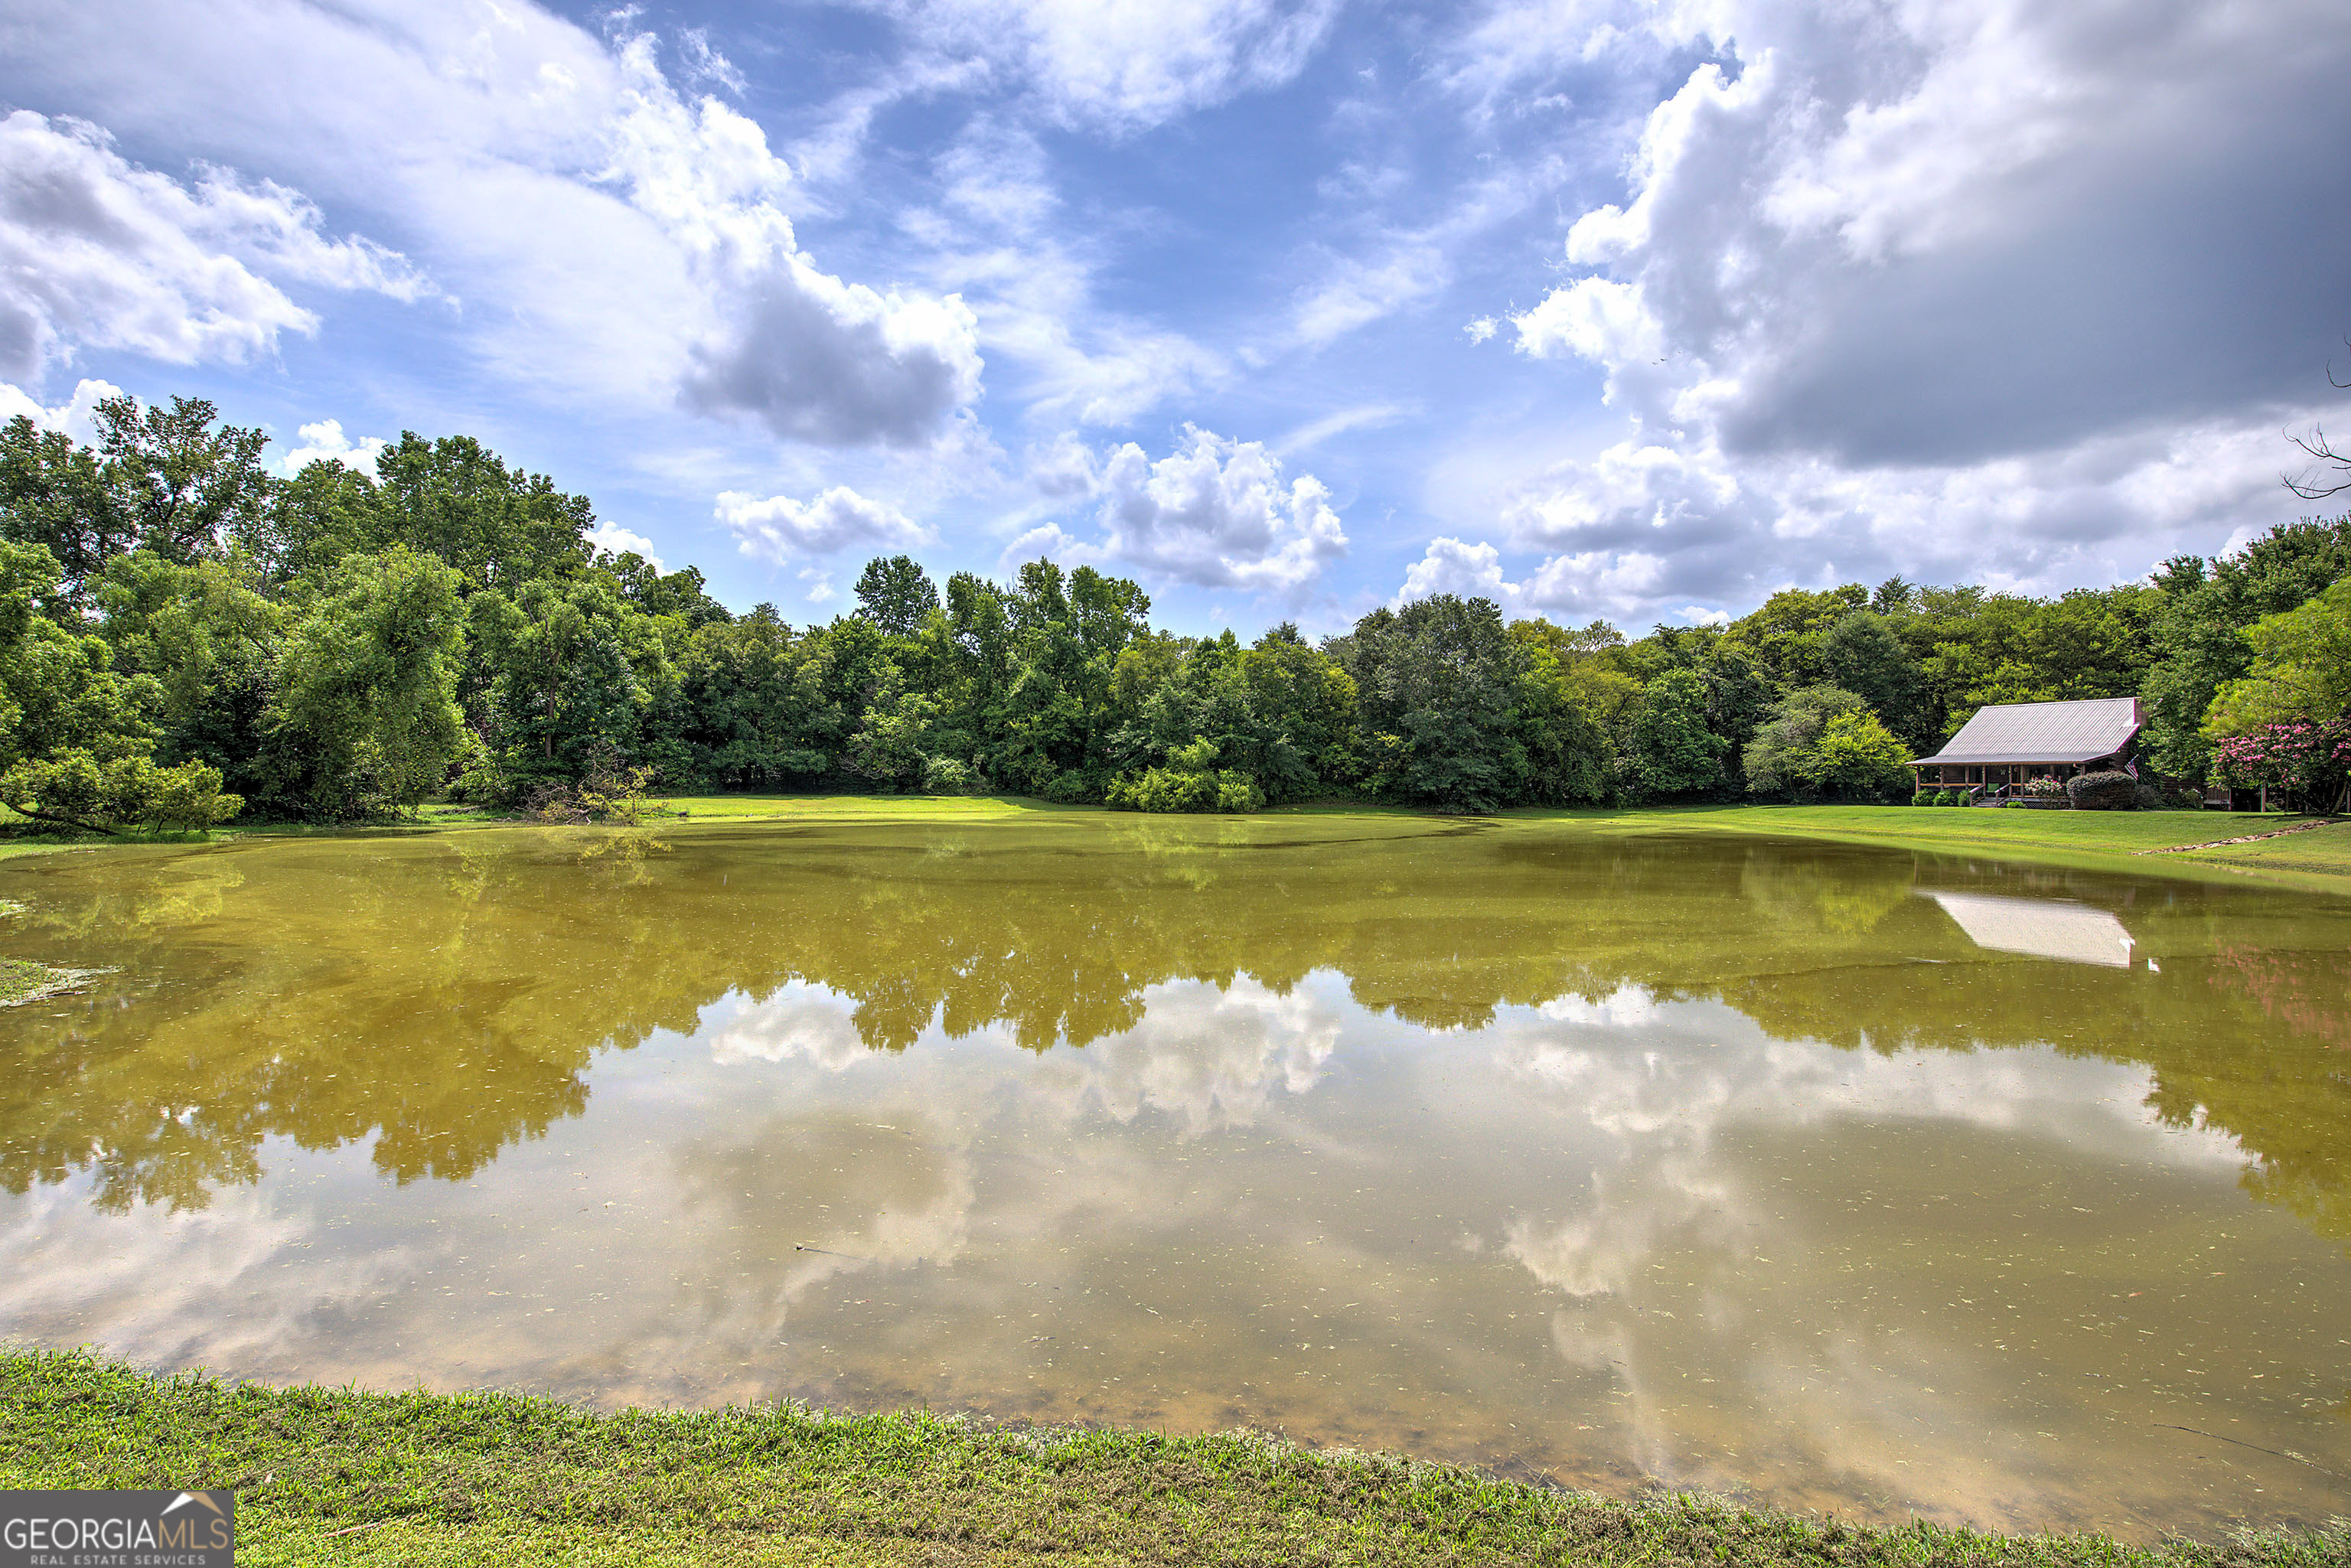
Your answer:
<point x="1863" y="1179"/>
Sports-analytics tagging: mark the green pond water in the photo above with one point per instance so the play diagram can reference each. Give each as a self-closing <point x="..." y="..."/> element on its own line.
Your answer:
<point x="1831" y="1177"/>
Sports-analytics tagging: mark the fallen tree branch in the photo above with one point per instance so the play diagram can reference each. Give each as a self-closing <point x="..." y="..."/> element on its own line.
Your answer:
<point x="2248" y="838"/>
<point x="40" y="816"/>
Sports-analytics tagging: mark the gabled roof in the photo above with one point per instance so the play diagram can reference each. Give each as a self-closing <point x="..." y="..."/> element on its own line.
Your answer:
<point x="2044" y="927"/>
<point x="2043" y="732"/>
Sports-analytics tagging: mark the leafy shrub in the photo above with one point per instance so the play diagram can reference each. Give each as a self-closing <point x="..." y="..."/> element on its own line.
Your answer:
<point x="1824" y="741"/>
<point x="1074" y="787"/>
<point x="946" y="776"/>
<point x="77" y="791"/>
<point x="1181" y="790"/>
<point x="1922" y="796"/>
<point x="2045" y="788"/>
<point x="2181" y="795"/>
<point x="2108" y="791"/>
<point x="2305" y="763"/>
<point x="609" y="793"/>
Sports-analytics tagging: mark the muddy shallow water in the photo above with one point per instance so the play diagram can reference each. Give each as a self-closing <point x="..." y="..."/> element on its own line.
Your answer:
<point x="1833" y="1177"/>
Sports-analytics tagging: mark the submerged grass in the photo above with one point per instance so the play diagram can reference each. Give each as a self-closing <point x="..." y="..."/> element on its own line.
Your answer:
<point x="335" y="1475"/>
<point x="21" y="981"/>
<point x="2145" y="843"/>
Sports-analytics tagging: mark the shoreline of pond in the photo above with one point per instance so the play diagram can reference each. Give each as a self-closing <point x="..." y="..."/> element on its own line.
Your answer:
<point x="2315" y="857"/>
<point x="474" y="1475"/>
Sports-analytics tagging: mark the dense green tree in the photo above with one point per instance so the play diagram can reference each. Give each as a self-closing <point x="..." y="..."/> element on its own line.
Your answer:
<point x="1567" y="757"/>
<point x="2300" y="670"/>
<point x="363" y="716"/>
<point x="171" y="480"/>
<point x="58" y="688"/>
<point x="321" y="514"/>
<point x="896" y="594"/>
<point x="566" y="693"/>
<point x="76" y="734"/>
<point x="500" y="528"/>
<point x="1303" y="706"/>
<point x="187" y="485"/>
<point x="1439" y="684"/>
<point x="54" y="496"/>
<point x="208" y="636"/>
<point x="1862" y="655"/>
<point x="1785" y="638"/>
<point x="1823" y="742"/>
<point x="2200" y="636"/>
<point x="1669" y="748"/>
<point x="679" y="595"/>
<point x="752" y="704"/>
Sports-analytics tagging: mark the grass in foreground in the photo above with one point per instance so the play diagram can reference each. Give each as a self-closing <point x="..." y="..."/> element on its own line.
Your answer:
<point x="499" y="1479"/>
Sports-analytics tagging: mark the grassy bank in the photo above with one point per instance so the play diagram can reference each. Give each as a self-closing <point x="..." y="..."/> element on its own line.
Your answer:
<point x="2144" y="844"/>
<point x="325" y="1475"/>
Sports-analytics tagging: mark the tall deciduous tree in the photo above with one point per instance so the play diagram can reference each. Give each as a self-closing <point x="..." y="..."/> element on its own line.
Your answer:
<point x="896" y="594"/>
<point x="1438" y="681"/>
<point x="2300" y="670"/>
<point x="74" y="734"/>
<point x="500" y="528"/>
<point x="1824" y="741"/>
<point x="2199" y="637"/>
<point x="1862" y="655"/>
<point x="1670" y="747"/>
<point x="365" y="714"/>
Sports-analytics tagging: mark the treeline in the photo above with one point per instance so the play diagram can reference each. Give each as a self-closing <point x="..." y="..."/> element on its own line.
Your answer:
<point x="183" y="635"/>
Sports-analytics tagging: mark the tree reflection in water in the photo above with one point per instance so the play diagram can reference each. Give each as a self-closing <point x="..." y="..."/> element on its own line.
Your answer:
<point x="1649" y="1158"/>
<point x="445" y="998"/>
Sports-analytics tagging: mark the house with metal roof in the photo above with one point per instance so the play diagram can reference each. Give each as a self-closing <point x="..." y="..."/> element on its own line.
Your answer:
<point x="2008" y="743"/>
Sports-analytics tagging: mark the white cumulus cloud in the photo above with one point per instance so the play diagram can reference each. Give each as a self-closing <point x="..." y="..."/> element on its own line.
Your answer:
<point x="74" y="417"/>
<point x="1219" y="514"/>
<point x="325" y="442"/>
<point x="812" y="357"/>
<point x="1457" y="567"/>
<point x="617" y="541"/>
<point x="781" y="529"/>
<point x="1955" y="288"/>
<point x="96" y="252"/>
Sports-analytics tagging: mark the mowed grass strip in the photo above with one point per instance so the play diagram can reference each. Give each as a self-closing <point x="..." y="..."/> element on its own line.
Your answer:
<point x="2315" y="860"/>
<point x="329" y="1475"/>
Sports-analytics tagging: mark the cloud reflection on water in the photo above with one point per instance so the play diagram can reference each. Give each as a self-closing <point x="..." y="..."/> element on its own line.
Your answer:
<point x="1703" y="1166"/>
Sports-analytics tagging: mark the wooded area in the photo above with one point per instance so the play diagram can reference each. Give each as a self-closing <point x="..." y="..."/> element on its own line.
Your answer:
<point x="184" y="635"/>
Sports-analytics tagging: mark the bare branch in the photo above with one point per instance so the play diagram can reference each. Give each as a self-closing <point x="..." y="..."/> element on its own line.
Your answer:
<point x="2310" y="485"/>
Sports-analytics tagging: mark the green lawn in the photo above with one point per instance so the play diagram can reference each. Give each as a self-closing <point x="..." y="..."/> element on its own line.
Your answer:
<point x="334" y="1475"/>
<point x="2318" y="860"/>
<point x="863" y="808"/>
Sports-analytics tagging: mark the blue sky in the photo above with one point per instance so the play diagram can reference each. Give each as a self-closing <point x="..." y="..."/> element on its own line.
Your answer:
<point x="1639" y="309"/>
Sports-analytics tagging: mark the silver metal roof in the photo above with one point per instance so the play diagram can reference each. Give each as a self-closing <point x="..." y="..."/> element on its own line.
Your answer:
<point x="2045" y="927"/>
<point x="2043" y="732"/>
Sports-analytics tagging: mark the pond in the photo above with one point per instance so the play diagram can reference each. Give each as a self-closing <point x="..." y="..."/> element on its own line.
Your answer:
<point x="1831" y="1177"/>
